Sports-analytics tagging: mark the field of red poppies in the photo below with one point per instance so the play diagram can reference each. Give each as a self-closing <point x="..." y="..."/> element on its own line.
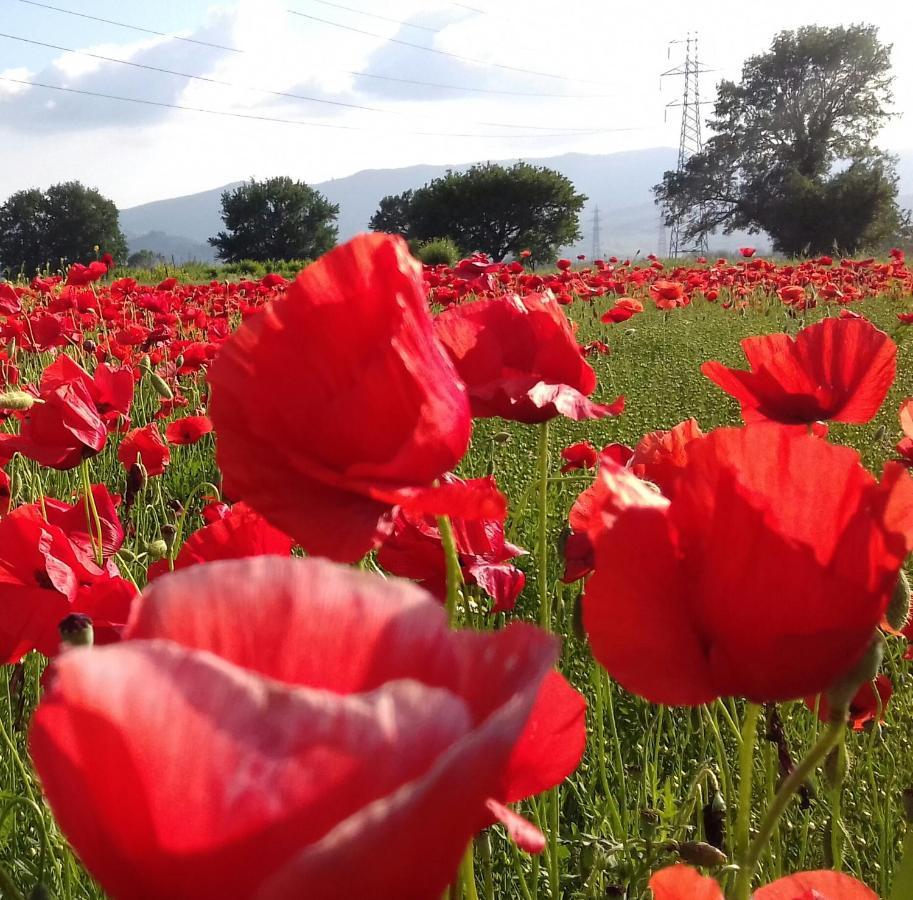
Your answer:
<point x="477" y="582"/>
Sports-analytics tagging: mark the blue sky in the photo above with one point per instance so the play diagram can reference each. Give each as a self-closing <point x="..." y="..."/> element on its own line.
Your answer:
<point x="135" y="153"/>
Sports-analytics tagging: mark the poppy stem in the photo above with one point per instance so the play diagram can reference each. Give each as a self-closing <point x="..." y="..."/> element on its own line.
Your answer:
<point x="788" y="789"/>
<point x="746" y="778"/>
<point x="7" y="887"/>
<point x="452" y="564"/>
<point x="93" y="521"/>
<point x="545" y="612"/>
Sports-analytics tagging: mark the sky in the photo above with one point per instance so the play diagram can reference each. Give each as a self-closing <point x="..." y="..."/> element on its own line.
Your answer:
<point x="508" y="78"/>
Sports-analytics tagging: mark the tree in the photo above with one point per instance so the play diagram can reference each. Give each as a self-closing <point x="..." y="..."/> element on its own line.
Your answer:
<point x="145" y="259"/>
<point x="65" y="223"/>
<point x="489" y="208"/>
<point x="792" y="152"/>
<point x="275" y="219"/>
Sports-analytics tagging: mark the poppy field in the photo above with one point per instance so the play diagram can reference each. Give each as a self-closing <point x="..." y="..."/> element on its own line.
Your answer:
<point x="471" y="582"/>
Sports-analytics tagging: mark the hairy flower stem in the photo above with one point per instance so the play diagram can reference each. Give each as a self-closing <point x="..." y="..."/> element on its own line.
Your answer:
<point x="746" y="777"/>
<point x="545" y="609"/>
<point x="452" y="563"/>
<point x="788" y="789"/>
<point x="93" y="520"/>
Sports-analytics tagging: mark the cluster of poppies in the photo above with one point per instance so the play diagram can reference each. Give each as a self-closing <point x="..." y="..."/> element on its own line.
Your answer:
<point x="734" y="285"/>
<point x="347" y="739"/>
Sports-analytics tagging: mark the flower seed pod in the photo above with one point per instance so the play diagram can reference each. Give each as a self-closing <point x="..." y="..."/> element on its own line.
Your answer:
<point x="160" y="386"/>
<point x="16" y="400"/>
<point x="714" y="817"/>
<point x="168" y="534"/>
<point x="76" y="630"/>
<point x="698" y="853"/>
<point x="898" y="613"/>
<point x="157" y="549"/>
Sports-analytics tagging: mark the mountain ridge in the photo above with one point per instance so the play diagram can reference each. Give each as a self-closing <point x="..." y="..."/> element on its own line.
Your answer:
<point x="619" y="183"/>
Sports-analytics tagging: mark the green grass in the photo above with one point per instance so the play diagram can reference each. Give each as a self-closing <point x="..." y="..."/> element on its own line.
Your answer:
<point x="647" y="770"/>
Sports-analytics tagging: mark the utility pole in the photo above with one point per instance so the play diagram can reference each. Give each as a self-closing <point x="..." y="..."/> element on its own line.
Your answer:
<point x="597" y="235"/>
<point x="689" y="142"/>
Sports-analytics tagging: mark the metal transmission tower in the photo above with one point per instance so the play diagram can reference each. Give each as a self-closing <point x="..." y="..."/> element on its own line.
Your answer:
<point x="689" y="142"/>
<point x="597" y="235"/>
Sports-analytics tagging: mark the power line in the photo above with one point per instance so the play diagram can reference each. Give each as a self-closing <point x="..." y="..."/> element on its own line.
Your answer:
<point x="390" y="78"/>
<point x="260" y="118"/>
<point x="288" y="94"/>
<point x="469" y="59"/>
<point x="72" y="12"/>
<point x="364" y="12"/>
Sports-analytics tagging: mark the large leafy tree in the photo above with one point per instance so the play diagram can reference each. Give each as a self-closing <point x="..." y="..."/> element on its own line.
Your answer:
<point x="495" y="209"/>
<point x="65" y="224"/>
<point x="792" y="151"/>
<point x="275" y="219"/>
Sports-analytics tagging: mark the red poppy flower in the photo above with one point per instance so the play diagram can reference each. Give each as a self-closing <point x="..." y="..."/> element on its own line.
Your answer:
<point x="905" y="446"/>
<point x="624" y="308"/>
<point x="660" y="456"/>
<point x="79" y="525"/>
<point x="582" y="455"/>
<point x="869" y="703"/>
<point x="336" y="398"/>
<point x="64" y="428"/>
<point x="5" y="496"/>
<point x="765" y="576"/>
<point x="187" y="430"/>
<point x="239" y="534"/>
<point x="81" y="275"/>
<point x="43" y="579"/>
<point x="144" y="445"/>
<point x="838" y="369"/>
<point x="684" y="883"/>
<point x="668" y="294"/>
<point x="414" y="550"/>
<point x="390" y="733"/>
<point x="10" y="304"/>
<point x="520" y="360"/>
<point x="747" y="252"/>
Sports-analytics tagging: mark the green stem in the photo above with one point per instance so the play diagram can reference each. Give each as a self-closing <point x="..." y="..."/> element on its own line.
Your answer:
<point x="93" y="520"/>
<point x="746" y="777"/>
<point x="452" y="563"/>
<point x="467" y="877"/>
<point x="902" y="888"/>
<point x="8" y="888"/>
<point x="545" y="612"/>
<point x="790" y="786"/>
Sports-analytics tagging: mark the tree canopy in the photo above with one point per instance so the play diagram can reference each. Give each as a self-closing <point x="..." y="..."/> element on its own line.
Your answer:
<point x="275" y="219"/>
<point x="65" y="223"/>
<point x="494" y="209"/>
<point x="792" y="151"/>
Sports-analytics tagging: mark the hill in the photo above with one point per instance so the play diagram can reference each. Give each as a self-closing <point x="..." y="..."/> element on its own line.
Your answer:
<point x="619" y="183"/>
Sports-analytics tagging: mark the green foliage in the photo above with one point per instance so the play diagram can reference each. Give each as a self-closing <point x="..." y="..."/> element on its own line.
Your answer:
<point x="278" y="218"/>
<point x="442" y="251"/>
<point x="490" y="208"/>
<point x="792" y="152"/>
<point x="145" y="259"/>
<point x="62" y="225"/>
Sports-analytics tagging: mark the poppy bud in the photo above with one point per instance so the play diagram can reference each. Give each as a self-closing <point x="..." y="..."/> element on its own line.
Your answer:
<point x="157" y="549"/>
<point x="500" y="437"/>
<point x="898" y="612"/>
<point x="697" y="853"/>
<point x="714" y="816"/>
<point x="89" y="345"/>
<point x="843" y="691"/>
<point x="577" y="618"/>
<point x="880" y="433"/>
<point x="17" y="400"/>
<point x="76" y="630"/>
<point x="168" y="534"/>
<point x="40" y="892"/>
<point x="650" y="817"/>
